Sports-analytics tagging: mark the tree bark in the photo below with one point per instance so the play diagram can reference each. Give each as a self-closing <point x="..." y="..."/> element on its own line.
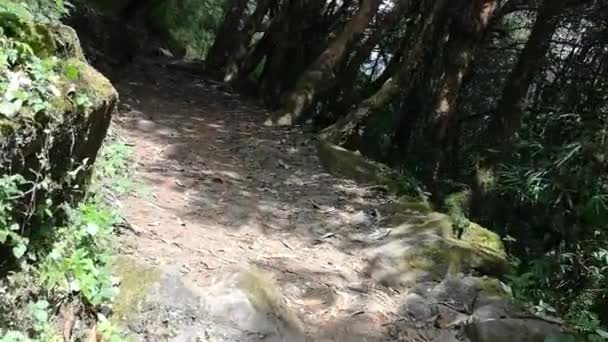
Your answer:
<point x="401" y="82"/>
<point x="507" y="119"/>
<point x="253" y="24"/>
<point x="467" y="31"/>
<point x="225" y="38"/>
<point x="310" y="82"/>
<point x="351" y="70"/>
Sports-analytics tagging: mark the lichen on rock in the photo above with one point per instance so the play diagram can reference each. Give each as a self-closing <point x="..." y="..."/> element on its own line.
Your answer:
<point x="136" y="279"/>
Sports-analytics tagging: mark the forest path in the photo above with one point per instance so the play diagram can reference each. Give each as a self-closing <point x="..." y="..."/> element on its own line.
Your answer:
<point x="224" y="190"/>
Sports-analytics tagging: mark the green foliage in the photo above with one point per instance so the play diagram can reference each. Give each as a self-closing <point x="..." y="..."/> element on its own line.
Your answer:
<point x="30" y="90"/>
<point x="77" y="260"/>
<point x="566" y="196"/>
<point x="10" y="230"/>
<point x="115" y="167"/>
<point x="190" y="24"/>
<point x="109" y="331"/>
<point x="31" y="85"/>
<point x="61" y="248"/>
<point x="71" y="262"/>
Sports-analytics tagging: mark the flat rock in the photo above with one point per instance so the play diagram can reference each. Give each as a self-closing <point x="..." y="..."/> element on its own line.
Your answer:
<point x="511" y="330"/>
<point x="241" y="305"/>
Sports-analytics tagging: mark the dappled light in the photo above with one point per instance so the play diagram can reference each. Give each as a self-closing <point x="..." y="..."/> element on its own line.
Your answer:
<point x="303" y="171"/>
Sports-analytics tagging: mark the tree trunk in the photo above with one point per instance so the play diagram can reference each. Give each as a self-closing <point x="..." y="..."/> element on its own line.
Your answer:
<point x="242" y="44"/>
<point x="309" y="83"/>
<point x="466" y="33"/>
<point x="255" y="55"/>
<point x="351" y="70"/>
<point x="226" y="35"/>
<point x="402" y="82"/>
<point x="507" y="119"/>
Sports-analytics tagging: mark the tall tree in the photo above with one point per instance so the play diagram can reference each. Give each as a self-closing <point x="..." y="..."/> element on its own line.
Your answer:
<point x="226" y="35"/>
<point x="242" y="46"/>
<point x="402" y="82"/>
<point x="507" y="119"/>
<point x="466" y="32"/>
<point x="348" y="74"/>
<point x="310" y="82"/>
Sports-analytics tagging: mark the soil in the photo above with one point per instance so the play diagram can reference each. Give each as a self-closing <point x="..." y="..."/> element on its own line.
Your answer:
<point x="223" y="190"/>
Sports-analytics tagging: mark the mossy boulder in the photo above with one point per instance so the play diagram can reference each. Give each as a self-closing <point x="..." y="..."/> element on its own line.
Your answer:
<point x="423" y="246"/>
<point x="157" y="304"/>
<point x="77" y="106"/>
<point x="136" y="280"/>
<point x="353" y="165"/>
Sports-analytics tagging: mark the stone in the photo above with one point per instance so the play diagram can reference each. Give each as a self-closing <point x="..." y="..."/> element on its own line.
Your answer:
<point x="424" y="249"/>
<point x="458" y="293"/>
<point x="511" y="329"/>
<point x="418" y="309"/>
<point x="68" y="134"/>
<point x="240" y="305"/>
<point x="352" y="165"/>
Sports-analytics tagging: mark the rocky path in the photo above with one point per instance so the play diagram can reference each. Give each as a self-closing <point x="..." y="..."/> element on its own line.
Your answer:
<point x="224" y="192"/>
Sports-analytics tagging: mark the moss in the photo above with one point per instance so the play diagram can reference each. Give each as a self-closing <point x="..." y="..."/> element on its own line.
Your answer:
<point x="37" y="36"/>
<point x="261" y="289"/>
<point x="265" y="294"/>
<point x="457" y="207"/>
<point x="439" y="253"/>
<point x="485" y="178"/>
<point x="353" y="165"/>
<point x="93" y="82"/>
<point x="484" y="239"/>
<point x="492" y="287"/>
<point x="437" y="260"/>
<point x="67" y="42"/>
<point x="135" y="282"/>
<point x="426" y="258"/>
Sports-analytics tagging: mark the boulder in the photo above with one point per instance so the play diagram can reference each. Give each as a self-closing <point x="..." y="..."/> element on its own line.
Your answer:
<point x="513" y="329"/>
<point x="241" y="305"/>
<point x="422" y="246"/>
<point x="67" y="134"/>
<point x="353" y="165"/>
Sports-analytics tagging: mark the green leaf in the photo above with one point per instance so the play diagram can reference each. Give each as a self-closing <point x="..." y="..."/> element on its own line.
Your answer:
<point x="72" y="72"/>
<point x="9" y="109"/>
<point x="91" y="229"/>
<point x="19" y="250"/>
<point x="602" y="333"/>
<point x="3" y="236"/>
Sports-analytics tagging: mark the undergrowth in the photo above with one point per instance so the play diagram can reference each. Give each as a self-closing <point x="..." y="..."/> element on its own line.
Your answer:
<point x="191" y="24"/>
<point x="67" y="272"/>
<point x="56" y="240"/>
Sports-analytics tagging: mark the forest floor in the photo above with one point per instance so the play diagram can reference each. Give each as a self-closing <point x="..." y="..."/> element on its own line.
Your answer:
<point x="223" y="190"/>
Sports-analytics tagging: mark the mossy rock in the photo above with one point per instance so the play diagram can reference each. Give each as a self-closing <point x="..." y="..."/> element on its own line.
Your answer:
<point x="67" y="133"/>
<point x="66" y="42"/>
<point x="353" y="165"/>
<point x="136" y="280"/>
<point x="426" y="249"/>
<point x="22" y="28"/>
<point x="492" y="287"/>
<point x="484" y="239"/>
<point x="158" y="304"/>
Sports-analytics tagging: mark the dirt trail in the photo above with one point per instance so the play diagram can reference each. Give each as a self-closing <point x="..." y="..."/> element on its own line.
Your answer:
<point x="226" y="191"/>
